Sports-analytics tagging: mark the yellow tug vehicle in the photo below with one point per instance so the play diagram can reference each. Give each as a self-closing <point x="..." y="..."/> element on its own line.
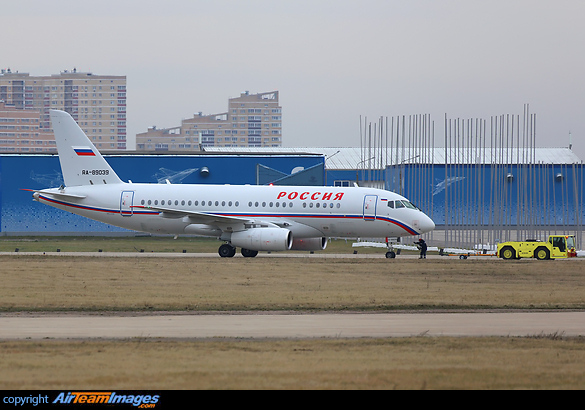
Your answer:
<point x="557" y="247"/>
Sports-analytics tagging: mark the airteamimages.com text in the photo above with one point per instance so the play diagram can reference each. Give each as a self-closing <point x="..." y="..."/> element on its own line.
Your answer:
<point x="83" y="398"/>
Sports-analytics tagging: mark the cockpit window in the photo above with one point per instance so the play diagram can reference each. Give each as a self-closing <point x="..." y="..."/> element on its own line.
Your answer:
<point x="401" y="204"/>
<point x="409" y="205"/>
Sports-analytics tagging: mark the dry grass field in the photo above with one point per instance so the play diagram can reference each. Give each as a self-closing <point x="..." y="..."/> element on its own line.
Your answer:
<point x="399" y="363"/>
<point x="98" y="284"/>
<point x="44" y="283"/>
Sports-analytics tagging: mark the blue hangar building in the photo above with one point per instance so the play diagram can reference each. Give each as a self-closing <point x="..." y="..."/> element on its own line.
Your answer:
<point x="20" y="215"/>
<point x="457" y="189"/>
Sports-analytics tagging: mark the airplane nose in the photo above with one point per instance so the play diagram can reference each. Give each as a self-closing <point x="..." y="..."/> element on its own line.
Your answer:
<point x="426" y="224"/>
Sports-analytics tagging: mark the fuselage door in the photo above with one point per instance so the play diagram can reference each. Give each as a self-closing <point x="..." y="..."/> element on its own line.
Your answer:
<point x="126" y="202"/>
<point x="370" y="202"/>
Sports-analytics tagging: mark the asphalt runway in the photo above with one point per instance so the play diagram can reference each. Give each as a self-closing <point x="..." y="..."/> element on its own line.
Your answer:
<point x="288" y="326"/>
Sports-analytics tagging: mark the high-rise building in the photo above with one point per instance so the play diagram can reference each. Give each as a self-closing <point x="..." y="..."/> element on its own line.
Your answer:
<point x="252" y="120"/>
<point x="96" y="102"/>
<point x="20" y="131"/>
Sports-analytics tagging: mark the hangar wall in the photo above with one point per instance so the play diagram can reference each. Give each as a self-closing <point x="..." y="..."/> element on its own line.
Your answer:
<point x="543" y="194"/>
<point x="19" y="214"/>
<point x="494" y="203"/>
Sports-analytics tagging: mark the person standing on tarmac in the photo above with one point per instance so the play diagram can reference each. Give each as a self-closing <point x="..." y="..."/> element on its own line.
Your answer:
<point x="422" y="245"/>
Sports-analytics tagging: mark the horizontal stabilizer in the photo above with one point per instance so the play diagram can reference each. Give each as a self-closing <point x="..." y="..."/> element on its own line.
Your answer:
<point x="57" y="194"/>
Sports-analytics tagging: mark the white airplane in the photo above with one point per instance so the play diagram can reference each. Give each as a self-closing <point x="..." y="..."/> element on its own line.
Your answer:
<point x="253" y="218"/>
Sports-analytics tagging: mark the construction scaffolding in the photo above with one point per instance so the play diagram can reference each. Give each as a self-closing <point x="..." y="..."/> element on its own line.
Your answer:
<point x="484" y="182"/>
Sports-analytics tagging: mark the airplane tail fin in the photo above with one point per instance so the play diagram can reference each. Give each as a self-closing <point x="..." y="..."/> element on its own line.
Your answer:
<point x="81" y="162"/>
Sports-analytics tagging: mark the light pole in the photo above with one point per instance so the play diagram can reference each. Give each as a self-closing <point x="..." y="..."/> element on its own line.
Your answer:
<point x="401" y="164"/>
<point x="328" y="158"/>
<point x="357" y="166"/>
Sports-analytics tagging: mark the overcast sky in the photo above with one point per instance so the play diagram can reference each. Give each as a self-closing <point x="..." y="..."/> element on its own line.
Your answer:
<point x="331" y="60"/>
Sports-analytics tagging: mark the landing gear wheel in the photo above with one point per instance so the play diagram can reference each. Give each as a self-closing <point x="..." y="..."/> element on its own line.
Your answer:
<point x="226" y="251"/>
<point x="390" y="255"/>
<point x="247" y="253"/>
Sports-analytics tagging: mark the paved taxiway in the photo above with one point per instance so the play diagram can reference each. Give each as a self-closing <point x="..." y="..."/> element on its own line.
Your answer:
<point x="334" y="325"/>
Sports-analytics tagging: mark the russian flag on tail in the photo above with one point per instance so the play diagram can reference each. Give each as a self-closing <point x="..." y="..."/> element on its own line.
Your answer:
<point x="84" y="151"/>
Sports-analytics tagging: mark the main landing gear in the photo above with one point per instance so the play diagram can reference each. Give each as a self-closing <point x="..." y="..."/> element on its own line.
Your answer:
<point x="228" y="251"/>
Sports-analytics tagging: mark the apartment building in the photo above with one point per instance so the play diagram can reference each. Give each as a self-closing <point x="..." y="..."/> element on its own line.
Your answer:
<point x="252" y="120"/>
<point x="20" y="131"/>
<point x="96" y="102"/>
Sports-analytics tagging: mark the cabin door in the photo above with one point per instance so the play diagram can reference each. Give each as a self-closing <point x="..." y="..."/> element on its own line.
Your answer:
<point x="126" y="202"/>
<point x="370" y="202"/>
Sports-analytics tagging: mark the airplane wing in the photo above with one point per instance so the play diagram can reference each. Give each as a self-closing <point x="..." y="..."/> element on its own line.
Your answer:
<point x="226" y="223"/>
<point x="199" y="217"/>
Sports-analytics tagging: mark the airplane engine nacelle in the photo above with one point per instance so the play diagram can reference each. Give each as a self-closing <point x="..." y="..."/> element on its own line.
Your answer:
<point x="263" y="239"/>
<point x="309" y="244"/>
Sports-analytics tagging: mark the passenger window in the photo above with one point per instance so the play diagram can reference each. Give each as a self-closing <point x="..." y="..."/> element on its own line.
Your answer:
<point x="162" y="202"/>
<point x="263" y="204"/>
